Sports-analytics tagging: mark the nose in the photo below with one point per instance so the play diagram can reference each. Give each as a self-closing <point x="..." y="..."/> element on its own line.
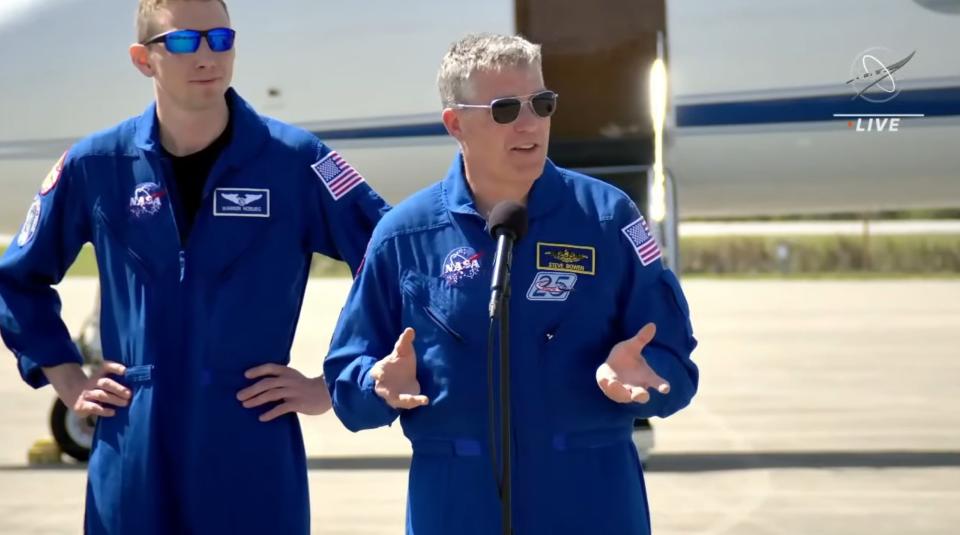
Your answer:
<point x="527" y="121"/>
<point x="204" y="57"/>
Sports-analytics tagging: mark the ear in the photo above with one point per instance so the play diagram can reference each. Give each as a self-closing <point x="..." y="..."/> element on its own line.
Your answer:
<point x="451" y="120"/>
<point x="140" y="57"/>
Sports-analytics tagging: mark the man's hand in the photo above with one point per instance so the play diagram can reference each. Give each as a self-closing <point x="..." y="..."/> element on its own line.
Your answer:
<point x="283" y="383"/>
<point x="626" y="376"/>
<point x="96" y="395"/>
<point x="396" y="375"/>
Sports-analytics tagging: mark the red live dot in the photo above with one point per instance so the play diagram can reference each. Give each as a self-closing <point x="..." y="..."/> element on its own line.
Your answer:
<point x="849" y="124"/>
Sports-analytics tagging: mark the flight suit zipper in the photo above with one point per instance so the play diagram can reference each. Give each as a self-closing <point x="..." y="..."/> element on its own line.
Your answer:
<point x="183" y="265"/>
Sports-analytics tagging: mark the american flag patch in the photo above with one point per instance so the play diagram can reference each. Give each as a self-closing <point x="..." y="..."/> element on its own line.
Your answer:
<point x="337" y="175"/>
<point x="642" y="240"/>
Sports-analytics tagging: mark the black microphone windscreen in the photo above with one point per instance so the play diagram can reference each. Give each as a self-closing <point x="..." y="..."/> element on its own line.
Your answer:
<point x="508" y="216"/>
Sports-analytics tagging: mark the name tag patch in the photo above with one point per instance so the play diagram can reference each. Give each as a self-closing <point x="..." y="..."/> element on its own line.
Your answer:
<point x="241" y="202"/>
<point x="579" y="259"/>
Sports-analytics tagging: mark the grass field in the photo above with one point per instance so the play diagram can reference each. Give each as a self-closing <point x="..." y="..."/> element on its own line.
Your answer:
<point x="810" y="257"/>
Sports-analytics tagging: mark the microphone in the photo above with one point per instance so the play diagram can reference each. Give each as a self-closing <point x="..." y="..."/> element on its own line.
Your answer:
<point x="508" y="224"/>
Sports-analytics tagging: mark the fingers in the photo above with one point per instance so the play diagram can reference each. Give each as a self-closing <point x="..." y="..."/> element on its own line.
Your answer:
<point x="643" y="337"/>
<point x="266" y="369"/>
<point x="376" y="373"/>
<point x="404" y="347"/>
<point x="261" y="386"/>
<point x="110" y="386"/>
<point x="102" y="397"/>
<point x="88" y="408"/>
<point x="655" y="382"/>
<point x="277" y="412"/>
<point x="84" y="408"/>
<point x="400" y="400"/>
<point x="639" y="394"/>
<point x="112" y="368"/>
<point x="615" y="390"/>
<point x="410" y="401"/>
<point x="269" y="396"/>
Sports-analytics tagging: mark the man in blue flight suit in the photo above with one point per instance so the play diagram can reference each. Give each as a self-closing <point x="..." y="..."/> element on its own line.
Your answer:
<point x="204" y="217"/>
<point x="600" y="329"/>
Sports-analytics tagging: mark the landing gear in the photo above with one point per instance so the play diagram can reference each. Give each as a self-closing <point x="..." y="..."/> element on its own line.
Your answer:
<point x="72" y="433"/>
<point x="643" y="439"/>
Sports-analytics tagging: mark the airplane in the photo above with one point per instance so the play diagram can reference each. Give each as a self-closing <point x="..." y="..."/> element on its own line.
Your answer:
<point x="695" y="108"/>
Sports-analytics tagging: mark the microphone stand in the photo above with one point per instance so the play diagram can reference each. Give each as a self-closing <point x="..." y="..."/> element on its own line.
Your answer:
<point x="500" y="312"/>
<point x="508" y="223"/>
<point x="505" y="473"/>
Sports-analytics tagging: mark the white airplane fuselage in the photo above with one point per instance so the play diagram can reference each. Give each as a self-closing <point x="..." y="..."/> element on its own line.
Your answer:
<point x="753" y="89"/>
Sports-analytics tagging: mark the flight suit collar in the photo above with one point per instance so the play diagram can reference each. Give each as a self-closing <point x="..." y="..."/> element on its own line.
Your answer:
<point x="248" y="134"/>
<point x="545" y="195"/>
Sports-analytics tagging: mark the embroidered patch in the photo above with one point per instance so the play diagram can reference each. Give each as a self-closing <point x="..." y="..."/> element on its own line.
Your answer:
<point x="30" y="224"/>
<point x="579" y="259"/>
<point x="53" y="177"/>
<point x="241" y="202"/>
<point x="461" y="263"/>
<point x="337" y="175"/>
<point x="147" y="200"/>
<point x="642" y="240"/>
<point x="551" y="286"/>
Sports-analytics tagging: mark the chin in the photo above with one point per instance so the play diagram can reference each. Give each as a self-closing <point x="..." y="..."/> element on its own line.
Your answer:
<point x="207" y="98"/>
<point x="530" y="172"/>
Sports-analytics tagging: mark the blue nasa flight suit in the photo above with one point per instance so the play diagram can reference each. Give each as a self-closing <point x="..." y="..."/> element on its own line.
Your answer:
<point x="188" y="319"/>
<point x="585" y="277"/>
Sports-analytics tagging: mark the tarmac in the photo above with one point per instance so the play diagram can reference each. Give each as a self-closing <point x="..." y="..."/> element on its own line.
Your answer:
<point x="825" y="408"/>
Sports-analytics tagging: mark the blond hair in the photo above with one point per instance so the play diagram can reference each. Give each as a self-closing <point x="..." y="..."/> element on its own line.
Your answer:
<point x="479" y="52"/>
<point x="147" y="20"/>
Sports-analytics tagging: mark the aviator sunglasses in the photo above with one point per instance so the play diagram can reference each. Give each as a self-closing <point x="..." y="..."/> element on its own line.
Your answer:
<point x="188" y="41"/>
<point x="506" y="110"/>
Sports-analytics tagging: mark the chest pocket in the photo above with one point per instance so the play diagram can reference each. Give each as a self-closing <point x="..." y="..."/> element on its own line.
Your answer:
<point x="148" y="246"/>
<point x="429" y="305"/>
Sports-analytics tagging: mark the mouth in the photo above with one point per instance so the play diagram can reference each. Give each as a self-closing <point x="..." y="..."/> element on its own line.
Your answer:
<point x="209" y="81"/>
<point x="526" y="148"/>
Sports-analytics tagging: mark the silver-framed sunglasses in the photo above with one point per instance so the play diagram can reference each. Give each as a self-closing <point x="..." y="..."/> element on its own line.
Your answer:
<point x="506" y="110"/>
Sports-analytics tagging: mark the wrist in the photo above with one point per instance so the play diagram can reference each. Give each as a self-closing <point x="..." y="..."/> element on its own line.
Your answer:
<point x="67" y="380"/>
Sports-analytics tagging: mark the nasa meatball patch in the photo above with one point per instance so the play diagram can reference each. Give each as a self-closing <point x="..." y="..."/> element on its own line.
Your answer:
<point x="460" y="263"/>
<point x="147" y="200"/>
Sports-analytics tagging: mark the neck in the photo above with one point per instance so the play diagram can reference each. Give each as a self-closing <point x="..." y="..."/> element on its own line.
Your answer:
<point x="488" y="190"/>
<point x="184" y="132"/>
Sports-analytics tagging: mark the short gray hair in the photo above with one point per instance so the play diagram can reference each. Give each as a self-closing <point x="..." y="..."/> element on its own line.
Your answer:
<point x="479" y="52"/>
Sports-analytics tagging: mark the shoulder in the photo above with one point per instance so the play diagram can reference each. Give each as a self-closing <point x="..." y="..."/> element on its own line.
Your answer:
<point x="294" y="139"/>
<point x="421" y="212"/>
<point x="116" y="141"/>
<point x="600" y="200"/>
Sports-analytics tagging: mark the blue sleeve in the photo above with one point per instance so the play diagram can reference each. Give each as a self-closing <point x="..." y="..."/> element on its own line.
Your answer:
<point x="349" y="208"/>
<point x="653" y="295"/>
<point x="55" y="229"/>
<point x="366" y="332"/>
